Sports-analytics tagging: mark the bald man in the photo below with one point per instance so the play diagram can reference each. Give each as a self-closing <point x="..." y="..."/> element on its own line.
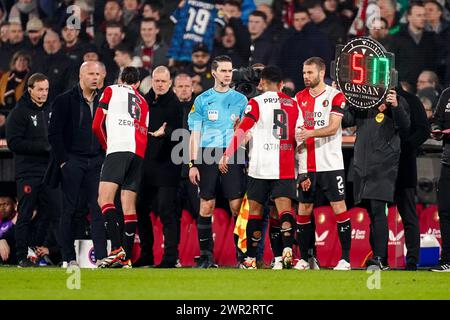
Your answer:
<point x="77" y="157"/>
<point x="161" y="175"/>
<point x="55" y="64"/>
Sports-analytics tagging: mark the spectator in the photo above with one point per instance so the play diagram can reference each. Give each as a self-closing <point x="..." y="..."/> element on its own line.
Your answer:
<point x="199" y="69"/>
<point x="344" y="11"/>
<point x="150" y="48"/>
<point x="77" y="157"/>
<point x="124" y="58"/>
<point x="275" y="26"/>
<point x="415" y="49"/>
<point x="161" y="176"/>
<point x="153" y="9"/>
<point x="112" y="13"/>
<point x="305" y="41"/>
<point x="8" y="220"/>
<point x="23" y="11"/>
<point x="388" y="11"/>
<point x="379" y="32"/>
<point x="26" y="134"/>
<point x="428" y="79"/>
<point x="328" y="25"/>
<point x="73" y="47"/>
<point x="4" y="33"/>
<point x="228" y="47"/>
<point x="429" y="100"/>
<point x="114" y="36"/>
<point x="15" y="43"/>
<point x="131" y="20"/>
<point x="260" y="44"/>
<point x="55" y="64"/>
<point x="35" y="32"/>
<point x="434" y="17"/>
<point x="12" y="83"/>
<point x="91" y="53"/>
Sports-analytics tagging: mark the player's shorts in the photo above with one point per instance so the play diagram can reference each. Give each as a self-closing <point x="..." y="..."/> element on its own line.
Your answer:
<point x="330" y="183"/>
<point x="233" y="182"/>
<point x="259" y="190"/>
<point x="123" y="168"/>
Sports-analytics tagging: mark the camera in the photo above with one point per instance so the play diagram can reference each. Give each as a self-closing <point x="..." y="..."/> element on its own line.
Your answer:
<point x="245" y="80"/>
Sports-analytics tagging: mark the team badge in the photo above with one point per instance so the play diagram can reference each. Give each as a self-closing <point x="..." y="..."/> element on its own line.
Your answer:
<point x="248" y="109"/>
<point x="380" y="117"/>
<point x="27" y="189"/>
<point x="325" y="103"/>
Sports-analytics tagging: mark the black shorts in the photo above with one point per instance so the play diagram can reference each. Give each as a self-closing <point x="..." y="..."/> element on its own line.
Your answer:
<point x="260" y="190"/>
<point x="331" y="183"/>
<point x="123" y="168"/>
<point x="233" y="183"/>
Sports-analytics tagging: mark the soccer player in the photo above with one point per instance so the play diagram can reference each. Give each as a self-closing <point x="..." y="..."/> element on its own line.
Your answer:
<point x="271" y="118"/>
<point x="321" y="165"/>
<point x="211" y="121"/>
<point x="121" y="126"/>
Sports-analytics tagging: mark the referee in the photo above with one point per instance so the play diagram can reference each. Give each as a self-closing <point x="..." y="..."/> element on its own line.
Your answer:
<point x="211" y="122"/>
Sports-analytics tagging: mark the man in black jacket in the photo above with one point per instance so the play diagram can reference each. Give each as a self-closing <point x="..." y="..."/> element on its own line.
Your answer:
<point x="26" y="133"/>
<point x="161" y="176"/>
<point x="405" y="189"/>
<point x="441" y="122"/>
<point x="78" y="157"/>
<point x="376" y="157"/>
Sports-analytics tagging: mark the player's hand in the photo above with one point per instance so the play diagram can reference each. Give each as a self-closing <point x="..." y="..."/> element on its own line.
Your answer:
<point x="223" y="164"/>
<point x="4" y="250"/>
<point x="194" y="175"/>
<point x="303" y="134"/>
<point x="306" y="184"/>
<point x="160" y="132"/>
<point x="391" y="98"/>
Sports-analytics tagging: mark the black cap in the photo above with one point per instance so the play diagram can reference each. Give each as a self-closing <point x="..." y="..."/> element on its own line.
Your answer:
<point x="200" y="47"/>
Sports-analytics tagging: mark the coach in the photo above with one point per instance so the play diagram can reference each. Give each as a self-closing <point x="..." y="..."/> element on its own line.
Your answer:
<point x="77" y="157"/>
<point x="161" y="177"/>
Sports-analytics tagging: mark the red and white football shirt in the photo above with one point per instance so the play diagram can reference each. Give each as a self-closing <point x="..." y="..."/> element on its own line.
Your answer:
<point x="274" y="117"/>
<point x="323" y="153"/>
<point x="121" y="121"/>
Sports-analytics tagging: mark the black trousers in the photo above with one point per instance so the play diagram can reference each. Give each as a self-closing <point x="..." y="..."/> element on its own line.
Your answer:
<point x="34" y="194"/>
<point x="406" y="206"/>
<point x="444" y="212"/>
<point x="82" y="174"/>
<point x="163" y="201"/>
<point x="189" y="196"/>
<point x="379" y="230"/>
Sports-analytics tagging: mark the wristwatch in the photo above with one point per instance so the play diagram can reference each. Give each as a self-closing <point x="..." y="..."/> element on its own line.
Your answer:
<point x="192" y="165"/>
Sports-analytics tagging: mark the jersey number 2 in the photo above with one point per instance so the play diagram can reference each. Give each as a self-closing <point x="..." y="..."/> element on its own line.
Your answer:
<point x="280" y="120"/>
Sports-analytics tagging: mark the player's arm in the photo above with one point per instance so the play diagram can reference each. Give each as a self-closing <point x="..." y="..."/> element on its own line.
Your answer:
<point x="195" y="123"/>
<point x="98" y="124"/>
<point x="251" y="116"/>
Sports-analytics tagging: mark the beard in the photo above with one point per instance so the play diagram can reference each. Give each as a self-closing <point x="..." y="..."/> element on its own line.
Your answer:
<point x="313" y="83"/>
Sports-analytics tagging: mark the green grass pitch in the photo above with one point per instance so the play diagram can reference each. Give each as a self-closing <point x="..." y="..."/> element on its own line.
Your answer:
<point x="221" y="284"/>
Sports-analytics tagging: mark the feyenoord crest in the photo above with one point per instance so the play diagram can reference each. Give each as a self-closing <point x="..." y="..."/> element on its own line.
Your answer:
<point x="364" y="72"/>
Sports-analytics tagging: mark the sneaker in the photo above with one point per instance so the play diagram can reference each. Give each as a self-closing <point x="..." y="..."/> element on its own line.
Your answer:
<point x="278" y="263"/>
<point x="26" y="263"/>
<point x="287" y="258"/>
<point x="302" y="265"/>
<point x="73" y="263"/>
<point x="206" y="262"/>
<point x="443" y="267"/>
<point x="249" y="264"/>
<point x="178" y="264"/>
<point x="343" y="265"/>
<point x="114" y="256"/>
<point x="313" y="263"/>
<point x="376" y="264"/>
<point x="122" y="264"/>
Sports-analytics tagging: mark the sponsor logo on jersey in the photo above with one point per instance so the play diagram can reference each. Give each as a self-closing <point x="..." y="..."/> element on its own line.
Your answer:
<point x="358" y="234"/>
<point x="286" y="102"/>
